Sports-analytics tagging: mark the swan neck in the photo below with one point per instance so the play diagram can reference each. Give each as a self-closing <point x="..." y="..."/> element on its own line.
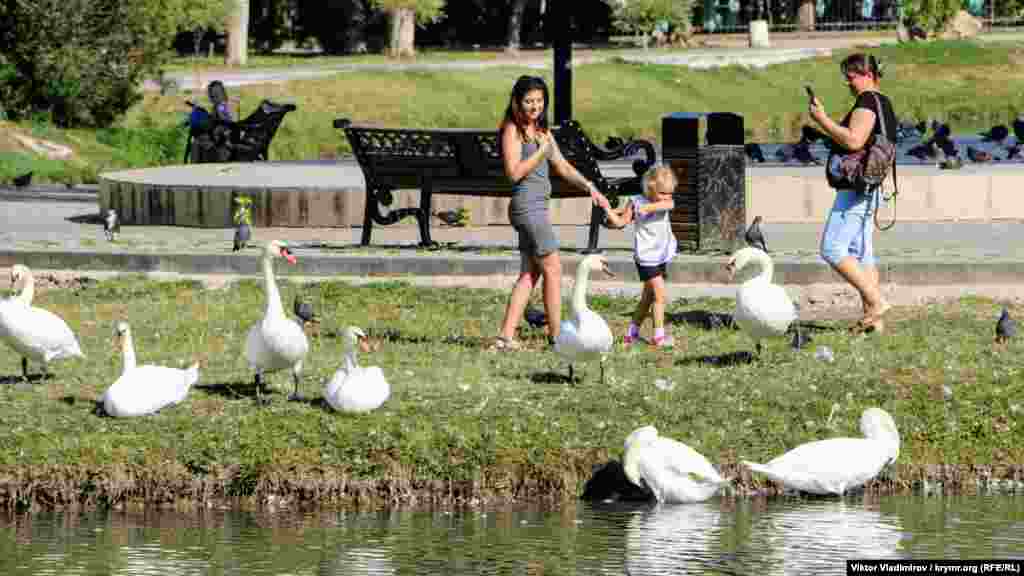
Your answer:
<point x="270" y="287"/>
<point x="767" y="267"/>
<point x="127" y="352"/>
<point x="579" y="289"/>
<point x="28" y="289"/>
<point x="350" y="359"/>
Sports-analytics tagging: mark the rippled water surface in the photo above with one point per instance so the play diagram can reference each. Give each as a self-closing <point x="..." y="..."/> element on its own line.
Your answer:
<point x="773" y="536"/>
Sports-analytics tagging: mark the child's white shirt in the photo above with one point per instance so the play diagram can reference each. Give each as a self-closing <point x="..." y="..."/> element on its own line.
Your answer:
<point x="654" y="243"/>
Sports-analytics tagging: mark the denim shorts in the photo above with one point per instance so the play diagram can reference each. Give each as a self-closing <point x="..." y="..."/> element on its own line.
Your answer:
<point x="850" y="228"/>
<point x="536" y="234"/>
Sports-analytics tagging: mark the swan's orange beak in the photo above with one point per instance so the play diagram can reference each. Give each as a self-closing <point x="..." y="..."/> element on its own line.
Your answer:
<point x="287" y="255"/>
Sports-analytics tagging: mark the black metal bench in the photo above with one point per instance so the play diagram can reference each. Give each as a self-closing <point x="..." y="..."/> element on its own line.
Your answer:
<point x="468" y="162"/>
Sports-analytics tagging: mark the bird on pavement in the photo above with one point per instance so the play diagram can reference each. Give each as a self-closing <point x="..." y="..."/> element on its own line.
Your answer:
<point x="997" y="134"/>
<point x="111" y="225"/>
<point x="754" y="236"/>
<point x="1006" y="327"/>
<point x="450" y="217"/>
<point x="23" y="180"/>
<point x="754" y="152"/>
<point x="242" y="235"/>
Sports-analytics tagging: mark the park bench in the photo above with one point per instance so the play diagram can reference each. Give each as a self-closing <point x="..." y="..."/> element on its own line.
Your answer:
<point x="211" y="139"/>
<point x="468" y="162"/>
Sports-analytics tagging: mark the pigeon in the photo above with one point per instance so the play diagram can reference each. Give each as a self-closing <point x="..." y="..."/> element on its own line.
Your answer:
<point x="242" y="234"/>
<point x="907" y="129"/>
<point x="997" y="134"/>
<point x="1006" y="327"/>
<point x="535" y="318"/>
<point x="304" y="311"/>
<point x="450" y="217"/>
<point x="976" y="155"/>
<point x="754" y="152"/>
<point x="1013" y="151"/>
<point x="111" y="225"/>
<point x="23" y="180"/>
<point x="754" y="236"/>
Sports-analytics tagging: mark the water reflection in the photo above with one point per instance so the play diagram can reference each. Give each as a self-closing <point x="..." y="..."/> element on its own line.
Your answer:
<point x="755" y="536"/>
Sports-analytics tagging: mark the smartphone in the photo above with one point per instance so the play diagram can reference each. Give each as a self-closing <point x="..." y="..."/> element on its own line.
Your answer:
<point x="810" y="91"/>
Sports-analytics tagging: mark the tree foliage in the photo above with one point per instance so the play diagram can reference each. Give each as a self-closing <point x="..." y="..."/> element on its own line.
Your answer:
<point x="645" y="16"/>
<point x="930" y="15"/>
<point x="425" y="10"/>
<point x="82" y="61"/>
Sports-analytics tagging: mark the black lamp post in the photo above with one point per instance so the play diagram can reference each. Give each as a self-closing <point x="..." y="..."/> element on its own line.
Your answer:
<point x="561" y="23"/>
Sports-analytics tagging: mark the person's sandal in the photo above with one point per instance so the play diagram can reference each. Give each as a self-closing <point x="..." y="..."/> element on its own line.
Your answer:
<point x="502" y="343"/>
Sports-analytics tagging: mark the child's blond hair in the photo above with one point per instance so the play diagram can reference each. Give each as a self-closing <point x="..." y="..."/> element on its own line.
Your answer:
<point x="659" y="179"/>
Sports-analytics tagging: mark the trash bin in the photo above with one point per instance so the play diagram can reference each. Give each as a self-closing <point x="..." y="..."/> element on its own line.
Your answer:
<point x="710" y="199"/>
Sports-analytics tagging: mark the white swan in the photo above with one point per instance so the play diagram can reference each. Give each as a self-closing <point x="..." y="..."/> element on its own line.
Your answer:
<point x="671" y="470"/>
<point x="839" y="464"/>
<point x="763" y="310"/>
<point x="275" y="342"/>
<point x="145" y="389"/>
<point x="33" y="332"/>
<point x="355" y="388"/>
<point x="585" y="335"/>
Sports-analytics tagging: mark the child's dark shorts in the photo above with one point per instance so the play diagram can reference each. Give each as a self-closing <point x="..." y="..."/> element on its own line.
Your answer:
<point x="648" y="272"/>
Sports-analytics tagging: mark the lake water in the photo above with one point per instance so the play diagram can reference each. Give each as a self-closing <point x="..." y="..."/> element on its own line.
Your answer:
<point x="746" y="536"/>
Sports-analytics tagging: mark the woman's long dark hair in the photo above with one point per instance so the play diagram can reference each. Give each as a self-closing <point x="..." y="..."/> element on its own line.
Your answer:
<point x="514" y="112"/>
<point x="861" y="63"/>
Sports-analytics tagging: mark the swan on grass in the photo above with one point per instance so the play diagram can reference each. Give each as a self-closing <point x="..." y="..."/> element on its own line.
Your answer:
<point x="32" y="332"/>
<point x="146" y="389"/>
<point x="763" y="310"/>
<point x="355" y="388"/>
<point x="836" y="465"/>
<point x="671" y="470"/>
<point x="276" y="342"/>
<point x="585" y="335"/>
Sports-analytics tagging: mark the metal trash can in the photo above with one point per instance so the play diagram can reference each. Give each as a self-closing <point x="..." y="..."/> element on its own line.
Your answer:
<point x="710" y="212"/>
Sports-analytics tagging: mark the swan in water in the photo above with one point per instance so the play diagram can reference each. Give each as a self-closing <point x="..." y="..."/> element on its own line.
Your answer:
<point x="836" y="465"/>
<point x="34" y="332"/>
<point x="671" y="470"/>
<point x="275" y="342"/>
<point x="676" y="540"/>
<point x="355" y="388"/>
<point x="763" y="310"/>
<point x="144" y="389"/>
<point x="585" y="335"/>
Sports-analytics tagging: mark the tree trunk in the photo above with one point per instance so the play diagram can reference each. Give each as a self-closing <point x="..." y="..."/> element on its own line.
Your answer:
<point x="238" y="35"/>
<point x="806" y="15"/>
<point x="515" y="26"/>
<point x="401" y="32"/>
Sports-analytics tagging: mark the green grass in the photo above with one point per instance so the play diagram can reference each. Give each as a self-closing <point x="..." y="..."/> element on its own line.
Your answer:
<point x="466" y="424"/>
<point x="971" y="85"/>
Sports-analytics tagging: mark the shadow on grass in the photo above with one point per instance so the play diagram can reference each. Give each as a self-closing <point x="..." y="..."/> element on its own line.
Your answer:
<point x="703" y="319"/>
<point x="395" y="336"/>
<point x="18" y="379"/>
<point x="96" y="218"/>
<point x="553" y="378"/>
<point x="720" y="360"/>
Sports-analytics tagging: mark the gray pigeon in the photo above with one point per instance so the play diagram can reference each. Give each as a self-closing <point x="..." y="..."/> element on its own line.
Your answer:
<point x="1006" y="327"/>
<point x="304" y="310"/>
<point x="535" y="318"/>
<point x="111" y="225"/>
<point x="450" y="217"/>
<point x="242" y="235"/>
<point x="754" y="236"/>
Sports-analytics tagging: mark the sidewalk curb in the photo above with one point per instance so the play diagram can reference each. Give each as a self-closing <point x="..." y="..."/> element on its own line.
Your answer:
<point x="687" y="270"/>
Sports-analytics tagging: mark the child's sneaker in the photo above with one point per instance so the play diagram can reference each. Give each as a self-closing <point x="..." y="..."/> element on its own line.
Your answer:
<point x="628" y="340"/>
<point x="664" y="342"/>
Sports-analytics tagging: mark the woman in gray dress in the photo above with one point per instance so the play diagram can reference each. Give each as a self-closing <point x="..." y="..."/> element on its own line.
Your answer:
<point x="530" y="153"/>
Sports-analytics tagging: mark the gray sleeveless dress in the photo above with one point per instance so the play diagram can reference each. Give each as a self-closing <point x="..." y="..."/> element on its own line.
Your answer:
<point x="528" y="210"/>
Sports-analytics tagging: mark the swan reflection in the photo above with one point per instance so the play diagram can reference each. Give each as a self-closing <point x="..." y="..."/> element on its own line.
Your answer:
<point x="674" y="539"/>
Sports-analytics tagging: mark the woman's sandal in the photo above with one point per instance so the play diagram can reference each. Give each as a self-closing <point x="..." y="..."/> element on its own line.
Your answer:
<point x="868" y="326"/>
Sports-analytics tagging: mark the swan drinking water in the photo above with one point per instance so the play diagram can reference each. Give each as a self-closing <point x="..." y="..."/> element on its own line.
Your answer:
<point x="763" y="310"/>
<point x="836" y="465"/>
<point x="275" y="342"/>
<point x="34" y="332"/>
<point x="585" y="335"/>
<point x="355" y="388"/>
<point x="671" y="470"/>
<point x="144" y="389"/>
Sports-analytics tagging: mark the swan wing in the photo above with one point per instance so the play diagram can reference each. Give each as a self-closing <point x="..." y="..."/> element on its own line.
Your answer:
<point x="275" y="343"/>
<point x="763" y="309"/>
<point x="147" y="389"/>
<point x="676" y="476"/>
<point x="585" y="335"/>
<point x="361" y="389"/>
<point x="37" y="333"/>
<point x="827" y="466"/>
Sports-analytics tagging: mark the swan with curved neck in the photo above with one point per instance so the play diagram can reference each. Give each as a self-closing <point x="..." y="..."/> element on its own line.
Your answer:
<point x="34" y="332"/>
<point x="276" y="342"/>
<point x="144" y="389"/>
<point x="763" y="310"/>
<point x="585" y="335"/>
<point x="673" y="472"/>
<point x="836" y="465"/>
<point x="355" y="388"/>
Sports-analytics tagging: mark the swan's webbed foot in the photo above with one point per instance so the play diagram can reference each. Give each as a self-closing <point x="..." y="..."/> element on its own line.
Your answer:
<point x="758" y="348"/>
<point x="260" y="401"/>
<point x="295" y="396"/>
<point x="24" y="368"/>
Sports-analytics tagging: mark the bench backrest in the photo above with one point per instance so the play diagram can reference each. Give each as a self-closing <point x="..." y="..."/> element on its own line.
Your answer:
<point x="454" y="159"/>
